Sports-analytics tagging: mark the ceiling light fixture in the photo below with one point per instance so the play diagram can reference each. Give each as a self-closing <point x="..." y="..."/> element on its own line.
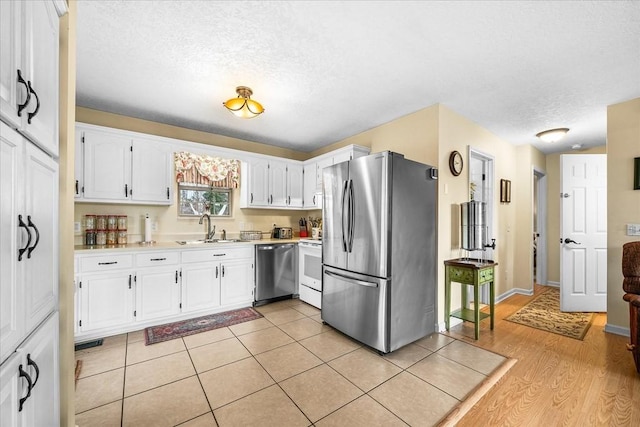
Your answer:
<point x="243" y="106"/>
<point x="552" y="135"/>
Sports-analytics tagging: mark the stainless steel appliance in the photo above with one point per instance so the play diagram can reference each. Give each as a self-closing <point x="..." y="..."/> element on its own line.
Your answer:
<point x="379" y="249"/>
<point x="276" y="268"/>
<point x="282" y="233"/>
<point x="474" y="228"/>
<point x="310" y="271"/>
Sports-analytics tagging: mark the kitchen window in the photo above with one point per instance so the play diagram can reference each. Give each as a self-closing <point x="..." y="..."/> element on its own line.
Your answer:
<point x="195" y="200"/>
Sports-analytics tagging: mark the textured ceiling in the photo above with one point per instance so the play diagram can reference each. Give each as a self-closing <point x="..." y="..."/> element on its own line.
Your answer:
<point x="326" y="70"/>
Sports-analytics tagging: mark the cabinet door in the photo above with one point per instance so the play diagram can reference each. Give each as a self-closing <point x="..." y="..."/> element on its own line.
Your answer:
<point x="106" y="300"/>
<point x="309" y="185"/>
<point x="11" y="292"/>
<point x="278" y="183"/>
<point x="107" y="166"/>
<point x="342" y="157"/>
<point x="295" y="185"/>
<point x="151" y="172"/>
<point x="40" y="354"/>
<point x="236" y="284"/>
<point x="11" y="389"/>
<point x="40" y="263"/>
<point x="200" y="286"/>
<point x="41" y="60"/>
<point x="11" y="92"/>
<point x="78" y="191"/>
<point x="321" y="165"/>
<point x="258" y="183"/>
<point x="157" y="293"/>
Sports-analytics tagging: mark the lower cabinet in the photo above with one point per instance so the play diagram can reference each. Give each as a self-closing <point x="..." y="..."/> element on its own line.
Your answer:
<point x="29" y="380"/>
<point x="121" y="291"/>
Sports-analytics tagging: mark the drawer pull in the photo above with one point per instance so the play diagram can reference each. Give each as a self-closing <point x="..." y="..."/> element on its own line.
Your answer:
<point x="219" y="254"/>
<point x="108" y="263"/>
<point x="158" y="259"/>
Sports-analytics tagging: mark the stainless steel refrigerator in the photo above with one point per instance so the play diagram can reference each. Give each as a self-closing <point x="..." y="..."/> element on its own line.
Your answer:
<point x="379" y="249"/>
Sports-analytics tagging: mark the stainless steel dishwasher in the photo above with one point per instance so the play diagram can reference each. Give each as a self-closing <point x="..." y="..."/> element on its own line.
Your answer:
<point x="276" y="272"/>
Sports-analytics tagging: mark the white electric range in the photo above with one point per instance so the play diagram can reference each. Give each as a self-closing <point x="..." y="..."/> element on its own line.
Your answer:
<point x="310" y="271"/>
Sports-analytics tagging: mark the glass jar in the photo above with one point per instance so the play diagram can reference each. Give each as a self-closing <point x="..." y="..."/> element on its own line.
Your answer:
<point x="101" y="222"/>
<point x="122" y="237"/>
<point x="122" y="222"/>
<point x="111" y="237"/>
<point x="90" y="237"/>
<point x="101" y="237"/>
<point x="112" y="222"/>
<point x="90" y="222"/>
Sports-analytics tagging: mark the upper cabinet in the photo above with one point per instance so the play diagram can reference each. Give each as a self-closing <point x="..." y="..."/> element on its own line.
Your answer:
<point x="117" y="167"/>
<point x="29" y="90"/>
<point x="271" y="183"/>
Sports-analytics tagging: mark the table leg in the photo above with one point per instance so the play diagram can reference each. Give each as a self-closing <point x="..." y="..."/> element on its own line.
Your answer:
<point x="492" y="298"/>
<point x="447" y="298"/>
<point x="476" y="307"/>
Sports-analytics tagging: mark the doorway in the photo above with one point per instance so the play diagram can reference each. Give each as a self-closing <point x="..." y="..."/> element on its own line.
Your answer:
<point x="539" y="227"/>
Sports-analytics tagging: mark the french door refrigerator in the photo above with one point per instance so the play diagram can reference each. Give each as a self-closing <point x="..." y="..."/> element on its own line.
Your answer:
<point x="379" y="249"/>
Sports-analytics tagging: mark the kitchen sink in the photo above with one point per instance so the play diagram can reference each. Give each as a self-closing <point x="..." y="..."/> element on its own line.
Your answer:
<point x="198" y="242"/>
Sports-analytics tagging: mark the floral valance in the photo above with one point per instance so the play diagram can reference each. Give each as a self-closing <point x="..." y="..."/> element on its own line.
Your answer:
<point x="201" y="169"/>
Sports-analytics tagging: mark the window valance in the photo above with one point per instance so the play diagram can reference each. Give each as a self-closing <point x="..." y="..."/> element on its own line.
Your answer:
<point x="207" y="170"/>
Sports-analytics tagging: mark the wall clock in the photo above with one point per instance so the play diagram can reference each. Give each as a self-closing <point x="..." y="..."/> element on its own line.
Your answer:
<point x="455" y="163"/>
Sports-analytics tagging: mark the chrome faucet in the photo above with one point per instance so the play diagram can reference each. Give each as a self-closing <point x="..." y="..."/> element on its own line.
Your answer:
<point x="224" y="234"/>
<point x="209" y="232"/>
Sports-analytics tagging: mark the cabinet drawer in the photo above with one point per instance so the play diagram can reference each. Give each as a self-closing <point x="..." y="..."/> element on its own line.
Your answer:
<point x="105" y="262"/>
<point x="461" y="275"/>
<point x="217" y="254"/>
<point x="157" y="258"/>
<point x="486" y="275"/>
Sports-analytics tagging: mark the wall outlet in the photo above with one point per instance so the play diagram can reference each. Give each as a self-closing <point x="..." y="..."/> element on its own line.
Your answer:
<point x="76" y="227"/>
<point x="154" y="226"/>
<point x="633" y="229"/>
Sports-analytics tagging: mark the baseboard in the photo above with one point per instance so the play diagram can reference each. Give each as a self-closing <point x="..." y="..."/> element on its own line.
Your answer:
<point x="617" y="330"/>
<point x="453" y="322"/>
<point x="554" y="284"/>
<point x="513" y="291"/>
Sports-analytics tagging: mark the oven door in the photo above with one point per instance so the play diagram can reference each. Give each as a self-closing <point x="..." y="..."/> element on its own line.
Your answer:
<point x="310" y="271"/>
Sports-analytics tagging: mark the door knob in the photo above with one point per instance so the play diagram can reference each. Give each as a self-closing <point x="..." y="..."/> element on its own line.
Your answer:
<point x="570" y="241"/>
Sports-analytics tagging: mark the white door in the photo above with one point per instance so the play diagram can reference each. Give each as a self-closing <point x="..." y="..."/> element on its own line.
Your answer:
<point x="151" y="172"/>
<point x="295" y="181"/>
<point x="309" y="185"/>
<point x="583" y="232"/>
<point x="157" y="293"/>
<point x="277" y="183"/>
<point x="200" y="286"/>
<point x="12" y="92"/>
<point x="11" y="389"/>
<point x="106" y="300"/>
<point x="78" y="190"/>
<point x="258" y="183"/>
<point x="236" y="285"/>
<point x="107" y="166"/>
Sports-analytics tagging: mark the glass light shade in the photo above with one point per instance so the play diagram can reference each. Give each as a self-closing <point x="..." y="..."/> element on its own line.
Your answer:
<point x="553" y="135"/>
<point x="243" y="106"/>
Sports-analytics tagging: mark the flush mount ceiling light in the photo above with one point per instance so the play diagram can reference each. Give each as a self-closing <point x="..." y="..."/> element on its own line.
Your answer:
<point x="552" y="135"/>
<point x="243" y="106"/>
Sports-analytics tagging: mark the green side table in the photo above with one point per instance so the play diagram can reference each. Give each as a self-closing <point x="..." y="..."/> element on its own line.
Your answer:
<point x="471" y="272"/>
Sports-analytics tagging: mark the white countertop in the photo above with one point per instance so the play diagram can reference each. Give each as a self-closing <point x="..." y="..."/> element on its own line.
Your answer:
<point x="137" y="247"/>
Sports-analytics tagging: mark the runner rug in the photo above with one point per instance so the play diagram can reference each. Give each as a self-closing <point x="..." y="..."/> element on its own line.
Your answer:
<point x="544" y="313"/>
<point x="183" y="328"/>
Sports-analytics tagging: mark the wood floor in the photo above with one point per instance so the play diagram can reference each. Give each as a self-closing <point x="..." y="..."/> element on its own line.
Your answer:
<point x="557" y="380"/>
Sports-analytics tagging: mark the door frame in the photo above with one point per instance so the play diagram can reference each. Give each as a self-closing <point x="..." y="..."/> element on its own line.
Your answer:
<point x="541" y="217"/>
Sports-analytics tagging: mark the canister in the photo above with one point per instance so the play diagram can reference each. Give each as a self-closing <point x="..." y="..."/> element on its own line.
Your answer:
<point x="90" y="237"/>
<point x="90" y="222"/>
<point x="101" y="237"/>
<point x="122" y="237"/>
<point x="101" y="222"/>
<point x="122" y="222"/>
<point x="111" y="237"/>
<point x="112" y="222"/>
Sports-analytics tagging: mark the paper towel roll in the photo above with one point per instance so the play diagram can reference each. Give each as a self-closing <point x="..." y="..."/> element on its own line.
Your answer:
<point x="147" y="228"/>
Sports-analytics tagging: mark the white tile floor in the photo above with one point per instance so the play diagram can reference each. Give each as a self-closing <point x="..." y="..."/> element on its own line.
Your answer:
<point x="286" y="369"/>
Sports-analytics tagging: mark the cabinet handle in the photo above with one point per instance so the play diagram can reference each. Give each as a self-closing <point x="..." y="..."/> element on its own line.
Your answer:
<point x="167" y="193"/>
<point x="216" y="272"/>
<point x="176" y="276"/>
<point x="129" y="281"/>
<point x="158" y="259"/>
<point x="30" y="362"/>
<point x="289" y="200"/>
<point x="126" y="190"/>
<point x="29" y="386"/>
<point x="33" y="114"/>
<point x="219" y="254"/>
<point x="271" y="200"/>
<point x="223" y="271"/>
<point x="32" y="225"/>
<point x="23" y="250"/>
<point x="314" y="198"/>
<point x="108" y="263"/>
<point x="76" y="186"/>
<point x="23" y="106"/>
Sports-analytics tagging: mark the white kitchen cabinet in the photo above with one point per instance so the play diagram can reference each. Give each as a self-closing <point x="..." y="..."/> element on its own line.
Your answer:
<point x="200" y="286"/>
<point x="29" y="69"/>
<point x="106" y="300"/>
<point x="78" y="166"/>
<point x="309" y="186"/>
<point x="29" y="380"/>
<point x="271" y="183"/>
<point x="322" y="163"/>
<point x="28" y="237"/>
<point x="236" y="284"/>
<point x="118" y="167"/>
<point x="157" y="293"/>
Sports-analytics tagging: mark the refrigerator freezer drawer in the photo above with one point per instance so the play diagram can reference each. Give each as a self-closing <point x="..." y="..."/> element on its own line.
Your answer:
<point x="356" y="305"/>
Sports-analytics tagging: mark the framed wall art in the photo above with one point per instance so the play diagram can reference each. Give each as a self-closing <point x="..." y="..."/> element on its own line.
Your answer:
<point x="636" y="173"/>
<point x="505" y="191"/>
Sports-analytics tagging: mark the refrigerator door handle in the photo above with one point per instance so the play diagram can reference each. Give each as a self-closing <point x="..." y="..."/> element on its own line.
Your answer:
<point x="352" y="280"/>
<point x="352" y="213"/>
<point x="344" y="197"/>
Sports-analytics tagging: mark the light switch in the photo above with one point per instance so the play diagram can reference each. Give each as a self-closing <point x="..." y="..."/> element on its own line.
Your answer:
<point x="76" y="227"/>
<point x="633" y="229"/>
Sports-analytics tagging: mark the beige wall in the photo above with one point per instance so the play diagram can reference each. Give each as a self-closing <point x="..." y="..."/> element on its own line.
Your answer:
<point x="623" y="203"/>
<point x="67" y="123"/>
<point x="553" y="210"/>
